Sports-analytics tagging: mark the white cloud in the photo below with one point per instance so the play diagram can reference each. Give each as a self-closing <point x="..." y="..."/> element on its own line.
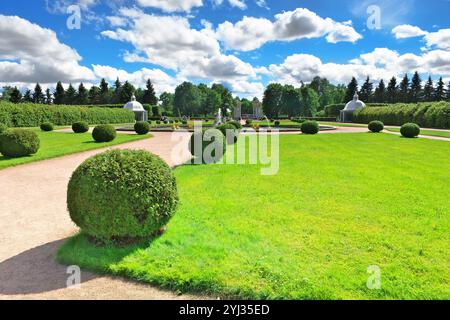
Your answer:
<point x="251" y="33"/>
<point x="31" y="53"/>
<point x="407" y="31"/>
<point x="440" y="39"/>
<point x="171" y="5"/>
<point x="238" y="4"/>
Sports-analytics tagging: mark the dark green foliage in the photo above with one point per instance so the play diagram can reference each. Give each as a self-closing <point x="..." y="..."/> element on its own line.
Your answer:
<point x="277" y="123"/>
<point x="80" y="127"/>
<point x="3" y="128"/>
<point x="310" y="127"/>
<point x="16" y="143"/>
<point x="230" y="132"/>
<point x="122" y="195"/>
<point x="248" y="122"/>
<point x="236" y="124"/>
<point x="104" y="133"/>
<point x="410" y="130"/>
<point x="32" y="115"/>
<point x="376" y="126"/>
<point x="428" y="115"/>
<point x="333" y="110"/>
<point x="352" y="88"/>
<point x="47" y="126"/>
<point x="213" y="139"/>
<point x="141" y="127"/>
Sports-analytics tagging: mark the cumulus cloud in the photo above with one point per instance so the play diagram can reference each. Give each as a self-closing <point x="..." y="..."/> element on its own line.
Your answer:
<point x="407" y="31"/>
<point x="440" y="39"/>
<point x="251" y="33"/>
<point x="30" y="53"/>
<point x="171" y="5"/>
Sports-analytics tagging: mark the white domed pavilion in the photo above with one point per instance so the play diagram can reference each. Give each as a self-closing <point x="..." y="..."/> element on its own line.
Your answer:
<point x="138" y="109"/>
<point x="346" y="115"/>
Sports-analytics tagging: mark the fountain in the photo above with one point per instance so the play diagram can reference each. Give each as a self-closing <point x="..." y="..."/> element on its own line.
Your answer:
<point x="218" y="118"/>
<point x="268" y="123"/>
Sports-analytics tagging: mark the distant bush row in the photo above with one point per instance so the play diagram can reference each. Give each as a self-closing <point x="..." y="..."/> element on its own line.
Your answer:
<point x="333" y="110"/>
<point x="426" y="114"/>
<point x="33" y="115"/>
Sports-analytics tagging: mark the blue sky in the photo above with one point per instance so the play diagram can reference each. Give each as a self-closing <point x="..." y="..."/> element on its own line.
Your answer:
<point x="243" y="44"/>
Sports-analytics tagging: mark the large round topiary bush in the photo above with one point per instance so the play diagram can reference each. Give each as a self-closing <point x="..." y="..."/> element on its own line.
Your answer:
<point x="16" y="143"/>
<point x="410" y="130"/>
<point x="47" y="126"/>
<point x="122" y="195"/>
<point x="80" y="127"/>
<point x="3" y="128"/>
<point x="104" y="133"/>
<point x="230" y="132"/>
<point x="376" y="126"/>
<point x="141" y="127"/>
<point x="207" y="146"/>
<point x="236" y="124"/>
<point x="310" y="127"/>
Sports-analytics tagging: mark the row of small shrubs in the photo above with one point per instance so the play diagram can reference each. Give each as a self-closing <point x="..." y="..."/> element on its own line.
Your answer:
<point x="408" y="130"/>
<point x="427" y="114"/>
<point x="33" y="115"/>
<point x="334" y="110"/>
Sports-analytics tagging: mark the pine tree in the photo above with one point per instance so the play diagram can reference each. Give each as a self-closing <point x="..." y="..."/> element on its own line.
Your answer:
<point x="27" y="97"/>
<point x="38" y="95"/>
<point x="448" y="91"/>
<point x="70" y="95"/>
<point x="48" y="96"/>
<point x="404" y="89"/>
<point x="365" y="93"/>
<point x="380" y="92"/>
<point x="15" y="96"/>
<point x="104" y="95"/>
<point x="428" y="90"/>
<point x="439" y="93"/>
<point x="149" y="94"/>
<point x="59" y="94"/>
<point x="95" y="96"/>
<point x="104" y="86"/>
<point x="352" y="88"/>
<point x="82" y="95"/>
<point x="117" y="91"/>
<point x="126" y="92"/>
<point x="392" y="91"/>
<point x="416" y="88"/>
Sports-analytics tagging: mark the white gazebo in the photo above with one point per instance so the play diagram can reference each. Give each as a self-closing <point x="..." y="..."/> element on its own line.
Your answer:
<point x="346" y="115"/>
<point x="139" y="112"/>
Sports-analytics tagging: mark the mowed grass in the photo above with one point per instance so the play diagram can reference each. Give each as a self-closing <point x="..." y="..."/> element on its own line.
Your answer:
<point x="339" y="204"/>
<point x="56" y="144"/>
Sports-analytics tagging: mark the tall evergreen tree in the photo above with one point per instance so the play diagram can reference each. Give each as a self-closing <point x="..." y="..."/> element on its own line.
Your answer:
<point x="38" y="95"/>
<point x="415" y="92"/>
<point x="104" y="86"/>
<point x="48" y="96"/>
<point x="104" y="95"/>
<point x="428" y="90"/>
<point x="27" y="97"/>
<point x="126" y="92"/>
<point x="59" y="94"/>
<point x="380" y="93"/>
<point x="352" y="88"/>
<point x="448" y="91"/>
<point x="392" y="91"/>
<point x="94" y="95"/>
<point x="117" y="91"/>
<point x="15" y="96"/>
<point x="70" y="95"/>
<point x="365" y="93"/>
<point x="404" y="90"/>
<point x="439" y="93"/>
<point x="149" y="94"/>
<point x="82" y="95"/>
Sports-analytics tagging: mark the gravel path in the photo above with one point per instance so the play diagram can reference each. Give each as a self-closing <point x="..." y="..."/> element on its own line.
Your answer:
<point x="34" y="223"/>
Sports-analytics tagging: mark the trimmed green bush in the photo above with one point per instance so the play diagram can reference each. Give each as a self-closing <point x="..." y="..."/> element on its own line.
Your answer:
<point x="248" y="122"/>
<point x="122" y="195"/>
<point x="426" y="114"/>
<point x="47" y="126"/>
<point x="376" y="126"/>
<point x="80" y="127"/>
<point x="236" y="124"/>
<point x="104" y="133"/>
<point x="141" y="127"/>
<point x="32" y="115"/>
<point x="213" y="139"/>
<point x="277" y="123"/>
<point x="3" y="128"/>
<point x="410" y="130"/>
<point x="16" y="143"/>
<point x="310" y="127"/>
<point x="228" y="127"/>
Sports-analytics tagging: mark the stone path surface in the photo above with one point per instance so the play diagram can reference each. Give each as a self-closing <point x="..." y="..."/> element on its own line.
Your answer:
<point x="34" y="222"/>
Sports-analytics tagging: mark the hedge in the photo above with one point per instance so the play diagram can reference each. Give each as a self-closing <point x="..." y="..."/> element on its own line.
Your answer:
<point x="334" y="110"/>
<point x="32" y="115"/>
<point x="426" y="114"/>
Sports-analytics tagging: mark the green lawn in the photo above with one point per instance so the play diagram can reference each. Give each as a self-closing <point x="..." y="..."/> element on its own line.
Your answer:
<point x="444" y="134"/>
<point x="339" y="204"/>
<point x="56" y="144"/>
